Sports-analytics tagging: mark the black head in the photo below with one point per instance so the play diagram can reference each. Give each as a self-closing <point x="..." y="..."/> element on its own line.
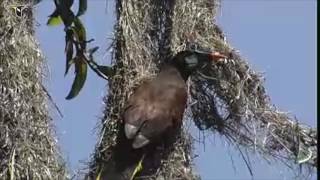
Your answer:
<point x="188" y="61"/>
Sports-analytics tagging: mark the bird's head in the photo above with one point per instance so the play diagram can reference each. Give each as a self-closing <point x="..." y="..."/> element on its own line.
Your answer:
<point x="189" y="60"/>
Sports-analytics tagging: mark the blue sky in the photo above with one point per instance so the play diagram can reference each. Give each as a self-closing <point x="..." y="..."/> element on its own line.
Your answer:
<point x="277" y="37"/>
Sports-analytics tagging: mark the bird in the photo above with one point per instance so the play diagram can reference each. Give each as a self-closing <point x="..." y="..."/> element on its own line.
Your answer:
<point x="157" y="105"/>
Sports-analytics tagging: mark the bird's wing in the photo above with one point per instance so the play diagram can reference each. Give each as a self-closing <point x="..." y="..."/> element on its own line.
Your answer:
<point x="153" y="108"/>
<point x="134" y="111"/>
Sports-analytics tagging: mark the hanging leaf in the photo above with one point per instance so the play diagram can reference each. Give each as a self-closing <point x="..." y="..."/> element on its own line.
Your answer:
<point x="81" y="31"/>
<point x="65" y="12"/>
<point x="54" y="19"/>
<point x="69" y="62"/>
<point x="67" y="17"/>
<point x="93" y="50"/>
<point x="104" y="72"/>
<point x="82" y="7"/>
<point x="69" y="50"/>
<point x="68" y="3"/>
<point x="63" y="4"/>
<point x="62" y="13"/>
<point x="107" y="70"/>
<point x="80" y="78"/>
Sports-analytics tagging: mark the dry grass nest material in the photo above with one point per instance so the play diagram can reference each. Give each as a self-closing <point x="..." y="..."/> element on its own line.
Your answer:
<point x="228" y="98"/>
<point x="27" y="147"/>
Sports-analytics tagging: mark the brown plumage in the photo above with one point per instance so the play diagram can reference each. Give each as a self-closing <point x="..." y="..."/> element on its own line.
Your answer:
<point x="157" y="106"/>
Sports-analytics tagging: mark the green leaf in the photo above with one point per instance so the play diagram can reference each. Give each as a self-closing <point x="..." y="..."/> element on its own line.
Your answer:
<point x="63" y="3"/>
<point x="80" y="29"/>
<point x="93" y="50"/>
<point x="69" y="3"/>
<point x="54" y="19"/>
<point x="69" y="51"/>
<point x="106" y="70"/>
<point x="63" y="10"/>
<point x="67" y="17"/>
<point x="82" y="7"/>
<point x="68" y="65"/>
<point x="81" y="75"/>
<point x="80" y="32"/>
<point x="66" y="14"/>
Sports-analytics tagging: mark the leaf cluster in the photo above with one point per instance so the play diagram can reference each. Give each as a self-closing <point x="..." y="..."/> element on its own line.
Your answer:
<point x="76" y="41"/>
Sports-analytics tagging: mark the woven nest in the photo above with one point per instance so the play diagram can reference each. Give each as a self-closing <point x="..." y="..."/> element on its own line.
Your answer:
<point x="227" y="98"/>
<point x="27" y="147"/>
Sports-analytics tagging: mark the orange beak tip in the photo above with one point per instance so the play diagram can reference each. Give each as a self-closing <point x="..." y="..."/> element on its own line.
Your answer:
<point x="218" y="56"/>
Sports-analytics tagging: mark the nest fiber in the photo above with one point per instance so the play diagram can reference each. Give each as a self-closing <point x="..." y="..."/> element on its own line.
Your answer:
<point x="227" y="98"/>
<point x="27" y="147"/>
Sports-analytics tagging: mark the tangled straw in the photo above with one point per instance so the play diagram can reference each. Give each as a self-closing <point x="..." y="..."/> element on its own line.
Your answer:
<point x="226" y="98"/>
<point x="27" y="147"/>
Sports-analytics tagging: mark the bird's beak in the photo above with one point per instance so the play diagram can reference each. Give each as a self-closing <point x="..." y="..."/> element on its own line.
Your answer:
<point x="216" y="56"/>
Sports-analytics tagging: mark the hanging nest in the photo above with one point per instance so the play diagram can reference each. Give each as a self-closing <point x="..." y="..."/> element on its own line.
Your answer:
<point x="27" y="147"/>
<point x="228" y="98"/>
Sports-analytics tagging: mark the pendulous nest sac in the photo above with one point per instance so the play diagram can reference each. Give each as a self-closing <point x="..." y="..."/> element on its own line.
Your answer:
<point x="227" y="98"/>
<point x="28" y="149"/>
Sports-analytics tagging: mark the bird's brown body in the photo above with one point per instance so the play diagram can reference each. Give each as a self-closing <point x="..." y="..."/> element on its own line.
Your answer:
<point x="157" y="106"/>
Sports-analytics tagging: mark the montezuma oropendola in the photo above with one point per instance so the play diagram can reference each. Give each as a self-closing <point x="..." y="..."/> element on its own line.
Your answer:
<point x="158" y="105"/>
